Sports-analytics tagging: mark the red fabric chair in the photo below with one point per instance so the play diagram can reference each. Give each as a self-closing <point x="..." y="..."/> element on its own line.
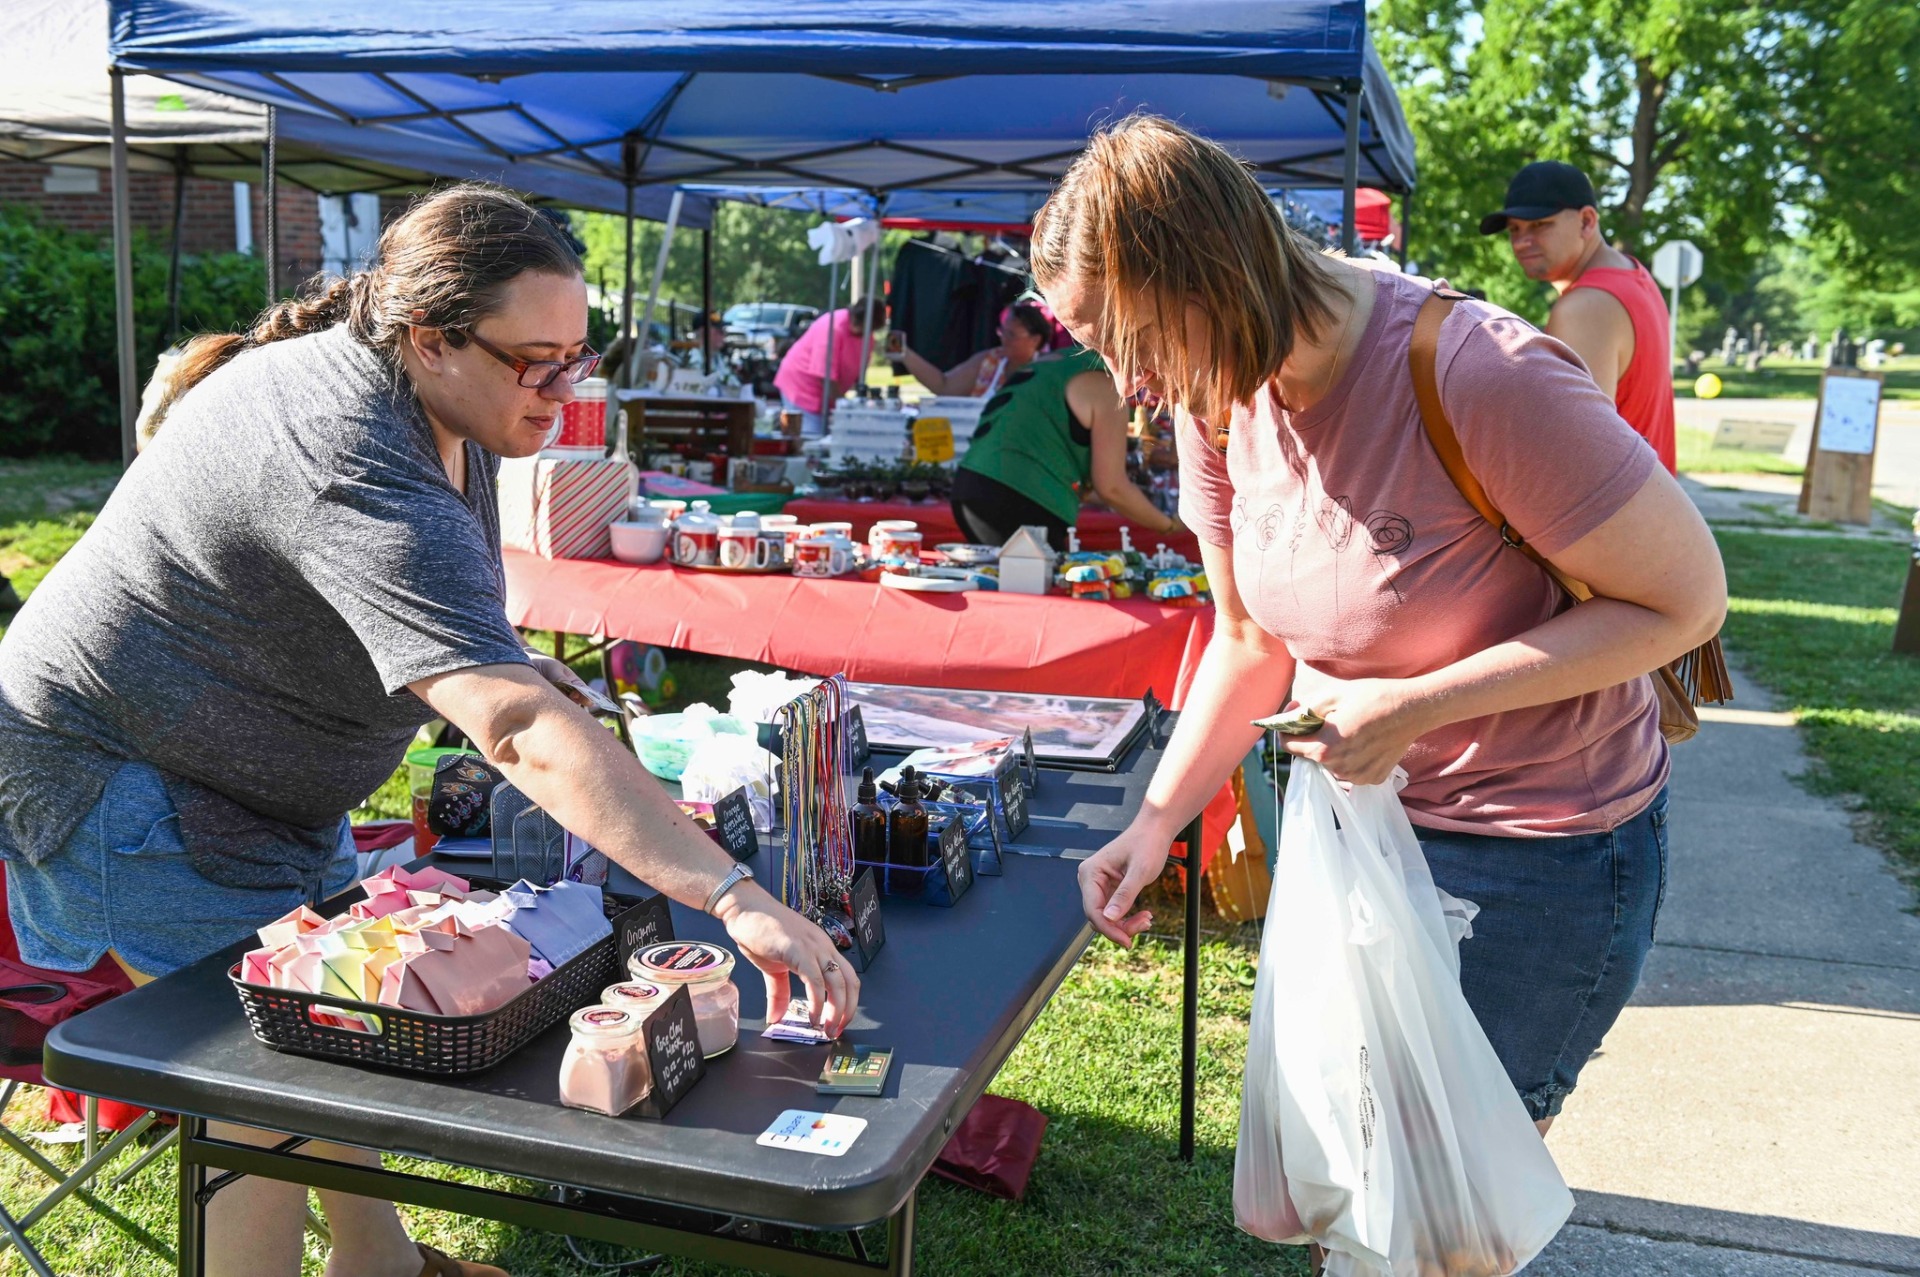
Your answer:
<point x="32" y="1001"/>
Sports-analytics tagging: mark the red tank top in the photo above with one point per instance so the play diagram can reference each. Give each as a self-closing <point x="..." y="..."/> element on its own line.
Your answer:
<point x="1645" y="393"/>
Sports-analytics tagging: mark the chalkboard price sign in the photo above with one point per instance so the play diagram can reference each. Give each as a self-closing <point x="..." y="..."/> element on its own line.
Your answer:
<point x="673" y="1049"/>
<point x="649" y="922"/>
<point x="869" y="932"/>
<point x="957" y="859"/>
<point x="1013" y="798"/>
<point x="859" y="751"/>
<point x="733" y="818"/>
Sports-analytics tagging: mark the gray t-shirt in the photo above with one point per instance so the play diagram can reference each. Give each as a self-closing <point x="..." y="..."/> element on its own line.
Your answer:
<point x="248" y="611"/>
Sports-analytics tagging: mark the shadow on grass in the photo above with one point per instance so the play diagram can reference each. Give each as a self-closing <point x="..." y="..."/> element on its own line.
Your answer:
<point x="1812" y="618"/>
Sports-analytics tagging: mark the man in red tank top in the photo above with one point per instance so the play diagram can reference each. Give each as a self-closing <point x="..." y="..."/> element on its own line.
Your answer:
<point x="1610" y="309"/>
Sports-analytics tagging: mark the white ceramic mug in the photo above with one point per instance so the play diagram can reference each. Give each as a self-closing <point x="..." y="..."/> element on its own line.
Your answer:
<point x="844" y="531"/>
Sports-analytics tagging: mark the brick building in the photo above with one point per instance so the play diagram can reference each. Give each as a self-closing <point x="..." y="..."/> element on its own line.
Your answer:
<point x="81" y="199"/>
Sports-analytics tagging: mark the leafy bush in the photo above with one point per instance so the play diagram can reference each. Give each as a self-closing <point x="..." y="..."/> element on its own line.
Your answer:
<point x="59" y="382"/>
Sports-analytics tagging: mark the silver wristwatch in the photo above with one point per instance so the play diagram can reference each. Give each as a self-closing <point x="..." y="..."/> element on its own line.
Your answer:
<point x="738" y="874"/>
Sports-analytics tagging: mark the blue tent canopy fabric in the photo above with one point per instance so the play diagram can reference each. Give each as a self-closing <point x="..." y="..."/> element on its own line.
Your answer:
<point x="922" y="94"/>
<point x="897" y="104"/>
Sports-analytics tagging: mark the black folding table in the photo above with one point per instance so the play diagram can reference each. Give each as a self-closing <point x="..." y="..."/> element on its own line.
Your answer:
<point x="952" y="993"/>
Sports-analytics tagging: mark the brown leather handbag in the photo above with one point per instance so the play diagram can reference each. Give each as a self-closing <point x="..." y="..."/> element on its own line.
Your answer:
<point x="1698" y="678"/>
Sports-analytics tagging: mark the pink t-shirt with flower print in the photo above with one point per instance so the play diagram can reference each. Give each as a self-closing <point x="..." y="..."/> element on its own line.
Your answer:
<point x="1352" y="546"/>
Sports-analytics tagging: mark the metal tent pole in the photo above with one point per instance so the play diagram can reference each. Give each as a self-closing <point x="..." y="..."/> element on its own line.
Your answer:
<point x="706" y="301"/>
<point x="659" y="270"/>
<point x="173" y="259"/>
<point x="826" y="379"/>
<point x="270" y="214"/>
<point x="1350" y="174"/>
<point x="873" y="286"/>
<point x="630" y="365"/>
<point x="1406" y="225"/>
<point x="123" y="270"/>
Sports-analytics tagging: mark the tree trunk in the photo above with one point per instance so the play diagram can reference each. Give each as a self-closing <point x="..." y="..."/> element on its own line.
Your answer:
<point x="1645" y="161"/>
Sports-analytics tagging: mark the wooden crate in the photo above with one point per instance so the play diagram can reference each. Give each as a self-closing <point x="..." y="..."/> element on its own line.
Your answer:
<point x="694" y="427"/>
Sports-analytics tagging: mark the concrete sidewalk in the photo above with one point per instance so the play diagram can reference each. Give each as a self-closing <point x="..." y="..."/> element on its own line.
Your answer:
<point x="1756" y="1111"/>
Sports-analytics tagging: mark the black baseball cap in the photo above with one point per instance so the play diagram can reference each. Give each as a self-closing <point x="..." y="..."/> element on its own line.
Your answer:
<point x="1541" y="189"/>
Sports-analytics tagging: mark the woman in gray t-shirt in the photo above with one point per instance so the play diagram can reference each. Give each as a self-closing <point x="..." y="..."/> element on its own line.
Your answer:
<point x="302" y="569"/>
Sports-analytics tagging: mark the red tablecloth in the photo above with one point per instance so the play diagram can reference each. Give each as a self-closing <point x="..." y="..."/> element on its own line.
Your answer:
<point x="998" y="642"/>
<point x="1099" y="529"/>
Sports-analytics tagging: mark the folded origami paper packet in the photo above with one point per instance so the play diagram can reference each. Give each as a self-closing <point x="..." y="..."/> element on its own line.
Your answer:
<point x="560" y="922"/>
<point x="425" y="941"/>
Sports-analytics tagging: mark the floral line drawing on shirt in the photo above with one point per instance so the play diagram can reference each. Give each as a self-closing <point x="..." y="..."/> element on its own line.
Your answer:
<point x="1388" y="534"/>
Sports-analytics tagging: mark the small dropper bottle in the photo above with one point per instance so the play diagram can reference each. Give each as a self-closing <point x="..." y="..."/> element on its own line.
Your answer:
<point x="869" y="824"/>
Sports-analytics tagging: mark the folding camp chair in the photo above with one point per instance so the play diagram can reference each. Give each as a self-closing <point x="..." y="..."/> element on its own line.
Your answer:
<point x="32" y="1001"/>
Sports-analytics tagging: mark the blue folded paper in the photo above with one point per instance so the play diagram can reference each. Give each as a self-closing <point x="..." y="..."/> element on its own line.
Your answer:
<point x="560" y="922"/>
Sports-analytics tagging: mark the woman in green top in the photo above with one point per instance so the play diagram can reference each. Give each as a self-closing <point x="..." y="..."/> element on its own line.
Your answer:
<point x="1056" y="428"/>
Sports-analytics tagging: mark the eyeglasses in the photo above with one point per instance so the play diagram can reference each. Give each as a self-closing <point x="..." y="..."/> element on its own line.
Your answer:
<point x="534" y="374"/>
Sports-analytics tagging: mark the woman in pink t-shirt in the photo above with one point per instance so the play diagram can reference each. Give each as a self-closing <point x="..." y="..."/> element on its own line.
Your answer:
<point x="1349" y="575"/>
<point x="805" y="382"/>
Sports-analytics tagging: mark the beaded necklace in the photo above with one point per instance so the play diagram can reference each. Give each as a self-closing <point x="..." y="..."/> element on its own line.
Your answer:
<point x="818" y="848"/>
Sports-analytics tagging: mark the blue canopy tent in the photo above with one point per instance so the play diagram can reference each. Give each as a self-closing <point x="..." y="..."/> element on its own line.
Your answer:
<point x="901" y="100"/>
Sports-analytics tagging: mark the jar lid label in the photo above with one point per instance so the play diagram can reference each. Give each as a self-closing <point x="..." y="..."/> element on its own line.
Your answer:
<point x="682" y="957"/>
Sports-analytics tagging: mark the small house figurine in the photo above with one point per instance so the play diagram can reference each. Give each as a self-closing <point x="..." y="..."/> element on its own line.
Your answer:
<point x="1026" y="562"/>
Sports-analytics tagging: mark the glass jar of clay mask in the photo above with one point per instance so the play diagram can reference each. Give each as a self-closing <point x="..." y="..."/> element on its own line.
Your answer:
<point x="707" y="971"/>
<point x="605" y="1069"/>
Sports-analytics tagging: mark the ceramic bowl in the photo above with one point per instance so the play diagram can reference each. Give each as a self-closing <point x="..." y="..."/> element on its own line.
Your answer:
<point x="639" y="542"/>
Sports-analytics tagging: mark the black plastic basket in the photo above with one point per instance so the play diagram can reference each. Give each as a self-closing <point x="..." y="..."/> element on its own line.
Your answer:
<point x="415" y="1042"/>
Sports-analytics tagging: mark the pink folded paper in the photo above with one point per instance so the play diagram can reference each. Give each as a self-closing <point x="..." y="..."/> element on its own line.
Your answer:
<point x="399" y="888"/>
<point x="462" y="972"/>
<point x="298" y="923"/>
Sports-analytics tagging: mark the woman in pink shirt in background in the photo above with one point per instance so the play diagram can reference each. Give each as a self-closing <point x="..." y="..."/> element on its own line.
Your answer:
<point x="806" y="385"/>
<point x="1349" y="575"/>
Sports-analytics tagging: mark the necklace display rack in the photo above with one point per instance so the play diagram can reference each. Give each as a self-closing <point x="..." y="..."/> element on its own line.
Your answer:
<point x="817" y="872"/>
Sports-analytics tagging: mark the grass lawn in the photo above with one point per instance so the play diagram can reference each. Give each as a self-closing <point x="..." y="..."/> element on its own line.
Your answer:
<point x="1695" y="452"/>
<point x="1812" y="618"/>
<point x="1794" y="379"/>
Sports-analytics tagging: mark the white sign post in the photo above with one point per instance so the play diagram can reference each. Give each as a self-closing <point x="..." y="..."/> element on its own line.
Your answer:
<point x="1676" y="264"/>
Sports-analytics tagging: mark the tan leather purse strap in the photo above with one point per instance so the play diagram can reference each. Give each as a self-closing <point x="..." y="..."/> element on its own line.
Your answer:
<point x="1424" y="357"/>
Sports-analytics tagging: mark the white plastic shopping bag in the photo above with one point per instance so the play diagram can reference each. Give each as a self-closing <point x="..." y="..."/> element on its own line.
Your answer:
<point x="1376" y="1119"/>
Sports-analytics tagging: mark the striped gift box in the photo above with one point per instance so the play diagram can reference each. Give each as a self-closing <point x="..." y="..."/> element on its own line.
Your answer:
<point x="573" y="504"/>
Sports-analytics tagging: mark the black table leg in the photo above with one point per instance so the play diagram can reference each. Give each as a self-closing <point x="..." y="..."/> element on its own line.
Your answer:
<point x="1190" y="1007"/>
<point x="193" y="1212"/>
<point x="900" y="1238"/>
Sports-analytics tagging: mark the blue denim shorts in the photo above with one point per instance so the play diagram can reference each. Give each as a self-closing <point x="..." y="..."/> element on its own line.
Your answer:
<point x="124" y="882"/>
<point x="1563" y="932"/>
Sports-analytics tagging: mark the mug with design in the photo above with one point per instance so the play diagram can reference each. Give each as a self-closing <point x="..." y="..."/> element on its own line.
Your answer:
<point x="771" y="552"/>
<point x="843" y="531"/>
<point x="877" y="534"/>
<point x="822" y="556"/>
<point x="739" y="541"/>
<point x="696" y="538"/>
<point x="897" y="546"/>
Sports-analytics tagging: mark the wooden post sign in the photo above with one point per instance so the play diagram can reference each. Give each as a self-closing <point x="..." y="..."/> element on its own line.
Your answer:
<point x="1846" y="431"/>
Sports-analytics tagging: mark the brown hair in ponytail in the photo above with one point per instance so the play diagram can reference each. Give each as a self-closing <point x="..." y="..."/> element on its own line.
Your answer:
<point x="450" y="256"/>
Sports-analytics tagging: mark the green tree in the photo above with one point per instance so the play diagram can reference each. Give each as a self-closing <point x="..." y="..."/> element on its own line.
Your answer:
<point x="1723" y="121"/>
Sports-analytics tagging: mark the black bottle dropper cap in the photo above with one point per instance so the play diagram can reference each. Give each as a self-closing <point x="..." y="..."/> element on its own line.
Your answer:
<point x="909" y="784"/>
<point x="867" y="791"/>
